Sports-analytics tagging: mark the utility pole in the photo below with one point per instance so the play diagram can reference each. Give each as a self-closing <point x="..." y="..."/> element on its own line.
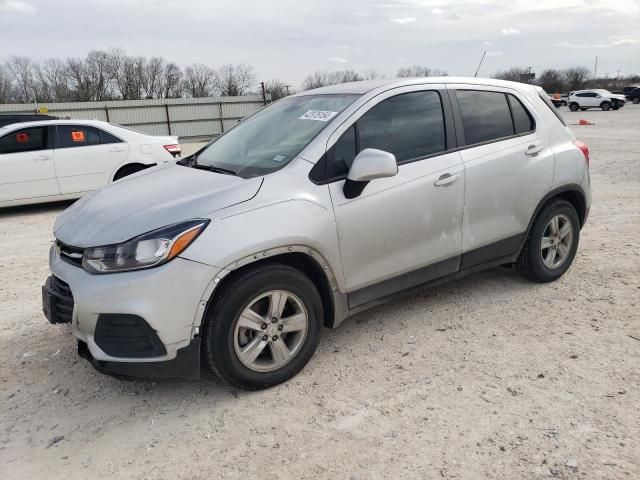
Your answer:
<point x="264" y="93"/>
<point x="595" y="69"/>
<point x="287" y="87"/>
<point x="478" y="69"/>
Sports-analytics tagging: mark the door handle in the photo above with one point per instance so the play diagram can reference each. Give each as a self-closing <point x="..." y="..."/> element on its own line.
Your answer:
<point x="116" y="150"/>
<point x="41" y="158"/>
<point x="446" y="179"/>
<point x="533" y="149"/>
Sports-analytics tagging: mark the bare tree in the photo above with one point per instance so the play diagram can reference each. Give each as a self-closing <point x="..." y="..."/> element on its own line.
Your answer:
<point x="371" y="74"/>
<point x="322" y="79"/>
<point x="6" y="87"/>
<point x="171" y="81"/>
<point x="512" y="74"/>
<point x="277" y="89"/>
<point x="551" y="80"/>
<point x="415" y="71"/>
<point x="576" y="77"/>
<point x="234" y="80"/>
<point x="57" y="76"/>
<point x="22" y="70"/>
<point x="316" y="80"/>
<point x="98" y="74"/>
<point x="152" y="78"/>
<point x="199" y="80"/>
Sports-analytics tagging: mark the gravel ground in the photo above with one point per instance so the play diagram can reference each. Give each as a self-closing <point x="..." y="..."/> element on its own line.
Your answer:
<point x="489" y="377"/>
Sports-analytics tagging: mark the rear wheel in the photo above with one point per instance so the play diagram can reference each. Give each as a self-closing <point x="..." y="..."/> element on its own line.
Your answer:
<point x="573" y="106"/>
<point x="552" y="243"/>
<point x="605" y="106"/>
<point x="263" y="327"/>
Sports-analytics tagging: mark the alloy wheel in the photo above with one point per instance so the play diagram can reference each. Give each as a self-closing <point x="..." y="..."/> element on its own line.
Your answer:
<point x="557" y="240"/>
<point x="270" y="331"/>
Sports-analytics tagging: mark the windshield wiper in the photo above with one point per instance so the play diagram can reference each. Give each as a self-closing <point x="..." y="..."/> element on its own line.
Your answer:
<point x="211" y="168"/>
<point x="225" y="171"/>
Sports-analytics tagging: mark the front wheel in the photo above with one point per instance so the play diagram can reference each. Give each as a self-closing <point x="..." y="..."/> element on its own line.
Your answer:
<point x="636" y="100"/>
<point x="605" y="106"/>
<point x="573" y="106"/>
<point x="552" y="243"/>
<point x="263" y="327"/>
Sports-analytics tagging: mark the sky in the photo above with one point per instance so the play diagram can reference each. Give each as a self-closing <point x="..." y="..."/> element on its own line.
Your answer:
<point x="287" y="39"/>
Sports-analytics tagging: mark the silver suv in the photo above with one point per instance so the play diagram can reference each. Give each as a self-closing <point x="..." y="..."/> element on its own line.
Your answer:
<point x="319" y="206"/>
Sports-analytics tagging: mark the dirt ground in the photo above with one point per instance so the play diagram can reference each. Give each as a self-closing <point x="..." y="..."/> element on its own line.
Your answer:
<point x="489" y="377"/>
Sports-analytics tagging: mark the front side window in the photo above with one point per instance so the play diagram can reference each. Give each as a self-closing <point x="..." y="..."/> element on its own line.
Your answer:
<point x="25" y="140"/>
<point x="69" y="136"/>
<point x="409" y="125"/>
<point x="485" y="115"/>
<point x="268" y="140"/>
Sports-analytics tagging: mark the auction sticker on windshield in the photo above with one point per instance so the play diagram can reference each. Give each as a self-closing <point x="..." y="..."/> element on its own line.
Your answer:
<point x="320" y="115"/>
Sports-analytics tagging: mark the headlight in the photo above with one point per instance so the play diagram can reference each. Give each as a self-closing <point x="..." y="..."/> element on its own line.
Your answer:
<point x="148" y="250"/>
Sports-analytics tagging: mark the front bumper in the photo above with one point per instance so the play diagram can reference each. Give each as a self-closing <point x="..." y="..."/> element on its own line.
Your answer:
<point x="185" y="365"/>
<point x="166" y="302"/>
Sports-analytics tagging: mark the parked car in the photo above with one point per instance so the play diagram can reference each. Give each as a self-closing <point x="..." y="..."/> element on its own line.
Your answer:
<point x="53" y="160"/>
<point x="598" y="98"/>
<point x="626" y="90"/>
<point x="9" y="119"/>
<point x="318" y="206"/>
<point x="633" y="96"/>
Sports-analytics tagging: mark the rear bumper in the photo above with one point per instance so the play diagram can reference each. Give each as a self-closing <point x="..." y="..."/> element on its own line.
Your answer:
<point x="185" y="365"/>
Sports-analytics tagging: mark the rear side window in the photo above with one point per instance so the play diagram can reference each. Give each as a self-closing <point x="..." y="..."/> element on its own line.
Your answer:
<point x="26" y="140"/>
<point x="69" y="136"/>
<point x="522" y="119"/>
<point x="485" y="115"/>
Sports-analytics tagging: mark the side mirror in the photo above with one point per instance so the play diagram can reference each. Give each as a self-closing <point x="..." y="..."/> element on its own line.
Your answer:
<point x="368" y="165"/>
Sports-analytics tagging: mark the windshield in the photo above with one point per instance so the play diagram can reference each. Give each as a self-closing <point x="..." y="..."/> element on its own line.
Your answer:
<point x="271" y="138"/>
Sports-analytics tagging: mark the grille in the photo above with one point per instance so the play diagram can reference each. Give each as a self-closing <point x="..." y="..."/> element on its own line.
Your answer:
<point x="69" y="254"/>
<point x="62" y="301"/>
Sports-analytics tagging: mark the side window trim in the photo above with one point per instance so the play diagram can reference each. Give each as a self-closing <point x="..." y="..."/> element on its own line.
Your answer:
<point x="327" y="163"/>
<point x="457" y="116"/>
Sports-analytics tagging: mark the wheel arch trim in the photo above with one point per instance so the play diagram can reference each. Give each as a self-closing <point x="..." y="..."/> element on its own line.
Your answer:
<point x="266" y="255"/>
<point x="558" y="192"/>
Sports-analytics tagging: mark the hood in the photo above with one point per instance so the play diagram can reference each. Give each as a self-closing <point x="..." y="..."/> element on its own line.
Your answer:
<point x="619" y="97"/>
<point x="148" y="200"/>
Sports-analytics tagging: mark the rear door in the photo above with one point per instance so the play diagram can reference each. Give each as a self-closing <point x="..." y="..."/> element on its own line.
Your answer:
<point x="508" y="168"/>
<point x="26" y="164"/>
<point x="86" y="156"/>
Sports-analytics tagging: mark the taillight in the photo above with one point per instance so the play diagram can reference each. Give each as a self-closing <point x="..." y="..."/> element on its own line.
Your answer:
<point x="173" y="149"/>
<point x="583" y="148"/>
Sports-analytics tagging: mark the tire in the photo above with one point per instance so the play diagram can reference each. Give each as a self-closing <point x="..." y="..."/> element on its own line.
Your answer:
<point x="223" y="333"/>
<point x="129" y="170"/>
<point x="573" y="106"/>
<point x="531" y="263"/>
<point x="605" y="106"/>
<point x="635" y="100"/>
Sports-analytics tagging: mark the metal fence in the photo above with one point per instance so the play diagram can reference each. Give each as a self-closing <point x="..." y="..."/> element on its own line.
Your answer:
<point x="191" y="119"/>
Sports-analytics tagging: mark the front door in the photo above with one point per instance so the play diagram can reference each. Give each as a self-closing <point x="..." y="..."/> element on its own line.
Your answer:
<point x="404" y="230"/>
<point x="26" y="165"/>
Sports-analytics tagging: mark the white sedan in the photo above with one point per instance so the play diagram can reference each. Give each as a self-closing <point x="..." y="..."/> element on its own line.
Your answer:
<point x="54" y="160"/>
